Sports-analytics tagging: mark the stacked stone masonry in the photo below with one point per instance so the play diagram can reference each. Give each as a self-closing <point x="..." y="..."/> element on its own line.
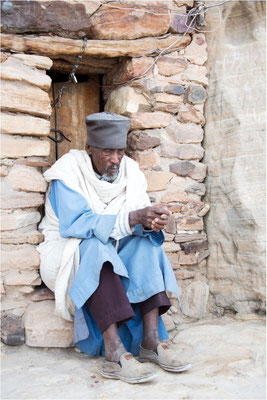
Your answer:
<point x="166" y="107"/>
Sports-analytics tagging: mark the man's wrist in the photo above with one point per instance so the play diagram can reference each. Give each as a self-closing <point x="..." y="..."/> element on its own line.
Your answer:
<point x="133" y="218"/>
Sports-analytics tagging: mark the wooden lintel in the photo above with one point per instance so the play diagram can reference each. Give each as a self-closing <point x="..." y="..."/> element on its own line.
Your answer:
<point x="57" y="46"/>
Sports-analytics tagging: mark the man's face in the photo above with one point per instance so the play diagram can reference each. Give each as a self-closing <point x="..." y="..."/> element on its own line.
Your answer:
<point x="106" y="162"/>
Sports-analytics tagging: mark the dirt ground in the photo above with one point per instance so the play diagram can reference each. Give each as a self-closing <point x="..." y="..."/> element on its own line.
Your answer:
<point x="228" y="358"/>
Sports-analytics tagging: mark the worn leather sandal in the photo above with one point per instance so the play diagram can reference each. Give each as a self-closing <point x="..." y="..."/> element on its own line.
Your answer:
<point x="164" y="357"/>
<point x="128" y="370"/>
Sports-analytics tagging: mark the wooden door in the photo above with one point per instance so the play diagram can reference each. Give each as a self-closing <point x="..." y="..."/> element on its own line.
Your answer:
<point x="78" y="100"/>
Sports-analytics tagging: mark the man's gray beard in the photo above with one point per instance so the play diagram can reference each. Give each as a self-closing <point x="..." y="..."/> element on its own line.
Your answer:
<point x="110" y="178"/>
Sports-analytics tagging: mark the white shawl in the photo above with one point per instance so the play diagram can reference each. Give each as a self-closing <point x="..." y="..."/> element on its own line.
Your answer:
<point x="59" y="256"/>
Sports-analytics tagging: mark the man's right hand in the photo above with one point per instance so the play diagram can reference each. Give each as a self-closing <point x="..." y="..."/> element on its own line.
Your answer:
<point x="155" y="217"/>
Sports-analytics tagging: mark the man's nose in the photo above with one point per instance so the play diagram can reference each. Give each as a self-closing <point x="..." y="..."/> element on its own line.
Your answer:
<point x="114" y="159"/>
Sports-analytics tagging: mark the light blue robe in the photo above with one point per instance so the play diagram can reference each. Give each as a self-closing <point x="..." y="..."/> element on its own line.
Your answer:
<point x="140" y="262"/>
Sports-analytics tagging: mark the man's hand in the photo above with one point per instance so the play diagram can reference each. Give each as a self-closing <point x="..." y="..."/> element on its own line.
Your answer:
<point x="155" y="218"/>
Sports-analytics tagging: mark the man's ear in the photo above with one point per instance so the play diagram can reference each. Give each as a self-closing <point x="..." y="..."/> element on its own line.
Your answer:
<point x="88" y="149"/>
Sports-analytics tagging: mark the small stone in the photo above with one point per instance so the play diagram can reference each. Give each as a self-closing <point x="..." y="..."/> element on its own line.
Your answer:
<point x="191" y="247"/>
<point x="139" y="140"/>
<point x="34" y="61"/>
<point x="125" y="101"/>
<point x="26" y="178"/>
<point x="195" y="298"/>
<point x="189" y="223"/>
<point x="168" y="98"/>
<point x="181" y="23"/>
<point x="188" y="3"/>
<point x="168" y="237"/>
<point x="196" y="188"/>
<point x="43" y="328"/>
<point x="202" y="255"/>
<point x="147" y="160"/>
<point x="171" y="89"/>
<point x="42" y="294"/>
<point x="186" y="237"/>
<point x="195" y="94"/>
<point x="175" y="208"/>
<point x="192" y="207"/>
<point x="171" y="227"/>
<point x="182" y="151"/>
<point x="196" y="52"/>
<point x="16" y="147"/>
<point x="149" y="120"/>
<point x="170" y="65"/>
<point x="20" y="236"/>
<point x="185" y="132"/>
<point x="196" y="74"/>
<point x="190" y="114"/>
<point x="187" y="259"/>
<point x="157" y="180"/>
<point x="12" y="331"/>
<point x="184" y="274"/>
<point x="177" y="196"/>
<point x="204" y="210"/>
<point x="171" y="247"/>
<point x="193" y="169"/>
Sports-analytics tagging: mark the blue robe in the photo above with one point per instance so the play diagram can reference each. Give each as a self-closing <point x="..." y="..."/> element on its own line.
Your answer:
<point x="138" y="259"/>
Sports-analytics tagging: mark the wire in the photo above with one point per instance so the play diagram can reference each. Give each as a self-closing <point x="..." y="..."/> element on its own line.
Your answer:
<point x="215" y="29"/>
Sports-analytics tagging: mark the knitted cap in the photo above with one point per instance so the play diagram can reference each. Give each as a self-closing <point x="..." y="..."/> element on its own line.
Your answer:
<point x="107" y="130"/>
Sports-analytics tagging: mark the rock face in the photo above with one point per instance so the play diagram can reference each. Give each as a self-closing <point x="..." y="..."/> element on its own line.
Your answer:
<point x="234" y="153"/>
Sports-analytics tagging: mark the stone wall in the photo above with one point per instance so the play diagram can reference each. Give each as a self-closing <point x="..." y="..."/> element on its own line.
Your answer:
<point x="166" y="107"/>
<point x="234" y="152"/>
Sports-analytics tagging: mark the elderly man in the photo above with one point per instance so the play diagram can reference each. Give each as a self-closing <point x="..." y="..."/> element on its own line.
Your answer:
<point x="102" y="254"/>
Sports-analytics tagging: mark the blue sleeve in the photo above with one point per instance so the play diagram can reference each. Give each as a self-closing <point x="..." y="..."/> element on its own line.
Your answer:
<point x="75" y="218"/>
<point x="157" y="238"/>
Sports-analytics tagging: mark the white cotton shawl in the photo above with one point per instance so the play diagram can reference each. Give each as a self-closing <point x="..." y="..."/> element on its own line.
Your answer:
<point x="59" y="256"/>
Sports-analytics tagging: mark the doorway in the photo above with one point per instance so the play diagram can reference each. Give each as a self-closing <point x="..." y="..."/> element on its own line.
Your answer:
<point x="79" y="99"/>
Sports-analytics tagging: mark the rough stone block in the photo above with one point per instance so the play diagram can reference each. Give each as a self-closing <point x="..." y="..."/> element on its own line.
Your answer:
<point x="193" y="169"/>
<point x="3" y="171"/>
<point x="22" y="124"/>
<point x="187" y="237"/>
<point x="181" y="151"/>
<point x="149" y="120"/>
<point x="12" y="331"/>
<point x="22" y="200"/>
<point x="196" y="52"/>
<point x="139" y="140"/>
<point x="16" y="147"/>
<point x="195" y="94"/>
<point x="204" y="210"/>
<point x="196" y="188"/>
<point x="188" y="3"/>
<point x="171" y="227"/>
<point x="128" y="22"/>
<point x="16" y="278"/>
<point x="21" y="236"/>
<point x="184" y="274"/>
<point x="187" y="259"/>
<point x="192" y="207"/>
<point x="125" y="101"/>
<point x="18" y="219"/>
<point x="171" y="247"/>
<point x="185" y="132"/>
<point x="15" y="70"/>
<point x="175" y="208"/>
<point x="22" y="177"/>
<point x="195" y="73"/>
<point x="43" y="328"/>
<point x="191" y="247"/>
<point x="157" y="180"/>
<point x="42" y="294"/>
<point x="189" y="223"/>
<point x="39" y="62"/>
<point x="174" y="196"/>
<point x="21" y="97"/>
<point x="8" y="304"/>
<point x="171" y="65"/>
<point x="195" y="298"/>
<point x="20" y="257"/>
<point x="147" y="160"/>
<point x="190" y="114"/>
<point x="168" y="98"/>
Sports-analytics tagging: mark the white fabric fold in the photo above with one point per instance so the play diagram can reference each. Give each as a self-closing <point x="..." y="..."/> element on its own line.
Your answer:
<point x="60" y="256"/>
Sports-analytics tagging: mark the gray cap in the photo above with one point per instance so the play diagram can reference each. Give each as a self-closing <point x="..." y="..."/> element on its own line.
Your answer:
<point x="107" y="130"/>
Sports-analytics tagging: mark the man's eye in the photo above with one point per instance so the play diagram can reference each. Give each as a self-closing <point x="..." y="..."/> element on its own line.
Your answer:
<point x="107" y="152"/>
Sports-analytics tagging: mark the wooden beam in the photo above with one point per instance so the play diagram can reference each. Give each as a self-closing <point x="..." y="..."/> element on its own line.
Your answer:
<point x="56" y="46"/>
